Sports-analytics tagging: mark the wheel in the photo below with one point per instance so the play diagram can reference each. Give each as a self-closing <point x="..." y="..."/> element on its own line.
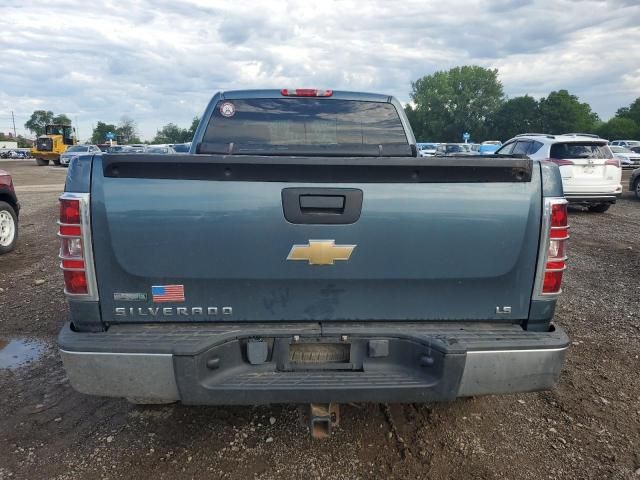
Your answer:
<point x="636" y="188"/>
<point x="56" y="162"/>
<point x="599" y="208"/>
<point x="8" y="228"/>
<point x="42" y="162"/>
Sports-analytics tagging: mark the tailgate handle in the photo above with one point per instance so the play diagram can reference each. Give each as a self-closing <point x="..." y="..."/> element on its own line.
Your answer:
<point x="315" y="205"/>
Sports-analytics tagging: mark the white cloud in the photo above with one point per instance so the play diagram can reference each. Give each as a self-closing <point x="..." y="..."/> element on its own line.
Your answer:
<point x="160" y="62"/>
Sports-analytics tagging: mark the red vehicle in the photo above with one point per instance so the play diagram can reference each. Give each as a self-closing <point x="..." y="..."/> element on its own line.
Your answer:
<point x="9" y="210"/>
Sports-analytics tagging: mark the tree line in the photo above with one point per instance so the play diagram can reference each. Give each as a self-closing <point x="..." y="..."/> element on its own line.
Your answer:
<point x="126" y="130"/>
<point x="471" y="99"/>
<point x="444" y="105"/>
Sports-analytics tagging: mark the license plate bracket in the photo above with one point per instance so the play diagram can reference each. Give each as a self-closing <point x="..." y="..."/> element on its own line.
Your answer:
<point x="317" y="354"/>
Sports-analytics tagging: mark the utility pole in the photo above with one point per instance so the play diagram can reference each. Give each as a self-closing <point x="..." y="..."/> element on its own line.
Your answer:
<point x="13" y="119"/>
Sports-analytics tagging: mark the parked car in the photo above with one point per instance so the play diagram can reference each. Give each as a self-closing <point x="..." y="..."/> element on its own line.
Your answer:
<point x="74" y="151"/>
<point x="117" y="149"/>
<point x="489" y="147"/>
<point x="454" y="149"/>
<point x="164" y="150"/>
<point x="286" y="284"/>
<point x="182" y="147"/>
<point x="136" y="148"/>
<point x="14" y="154"/>
<point x="625" y="143"/>
<point x="9" y="211"/>
<point x="628" y="158"/>
<point x="591" y="174"/>
<point x="634" y="182"/>
<point x="426" y="149"/>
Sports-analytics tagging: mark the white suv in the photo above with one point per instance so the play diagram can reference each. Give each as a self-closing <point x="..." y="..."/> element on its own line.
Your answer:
<point x="591" y="174"/>
<point x="625" y="143"/>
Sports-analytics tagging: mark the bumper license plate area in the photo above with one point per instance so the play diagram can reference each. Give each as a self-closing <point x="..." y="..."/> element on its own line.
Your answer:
<point x="318" y="354"/>
<point x="315" y="353"/>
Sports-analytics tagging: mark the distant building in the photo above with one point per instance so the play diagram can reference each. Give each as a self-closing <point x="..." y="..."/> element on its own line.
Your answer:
<point x="8" y="145"/>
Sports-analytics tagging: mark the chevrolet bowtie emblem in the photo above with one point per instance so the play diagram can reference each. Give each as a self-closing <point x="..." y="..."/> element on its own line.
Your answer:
<point x="321" y="252"/>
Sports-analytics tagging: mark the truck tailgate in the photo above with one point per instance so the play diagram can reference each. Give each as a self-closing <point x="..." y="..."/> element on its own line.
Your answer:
<point x="434" y="239"/>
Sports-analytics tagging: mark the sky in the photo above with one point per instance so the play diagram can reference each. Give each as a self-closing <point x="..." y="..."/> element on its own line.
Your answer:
<point x="161" y="61"/>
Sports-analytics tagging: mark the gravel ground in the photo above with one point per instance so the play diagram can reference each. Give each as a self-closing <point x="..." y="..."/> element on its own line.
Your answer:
<point x="588" y="427"/>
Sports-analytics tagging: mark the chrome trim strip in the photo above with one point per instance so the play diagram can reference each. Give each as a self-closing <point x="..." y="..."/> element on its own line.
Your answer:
<point x="64" y="257"/>
<point x="70" y="269"/>
<point x="555" y="269"/>
<point x="520" y="351"/>
<point x="510" y="371"/>
<point x="87" y="247"/>
<point x="141" y="375"/>
<point x="116" y="353"/>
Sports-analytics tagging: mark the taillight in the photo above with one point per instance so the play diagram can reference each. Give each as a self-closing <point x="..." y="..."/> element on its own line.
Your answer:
<point x="553" y="249"/>
<point x="70" y="211"/>
<point x="76" y="254"/>
<point x="305" y="92"/>
<point x="614" y="162"/>
<point x="560" y="161"/>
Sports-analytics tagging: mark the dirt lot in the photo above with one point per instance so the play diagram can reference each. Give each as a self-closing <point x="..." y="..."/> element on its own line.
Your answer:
<point x="589" y="427"/>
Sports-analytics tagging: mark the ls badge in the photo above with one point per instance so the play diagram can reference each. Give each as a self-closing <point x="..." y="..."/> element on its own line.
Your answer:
<point x="321" y="252"/>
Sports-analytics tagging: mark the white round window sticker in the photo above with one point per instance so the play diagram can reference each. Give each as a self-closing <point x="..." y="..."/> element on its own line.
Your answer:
<point x="227" y="109"/>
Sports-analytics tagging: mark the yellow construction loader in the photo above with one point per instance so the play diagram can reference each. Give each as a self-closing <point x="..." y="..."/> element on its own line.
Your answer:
<point x="53" y="143"/>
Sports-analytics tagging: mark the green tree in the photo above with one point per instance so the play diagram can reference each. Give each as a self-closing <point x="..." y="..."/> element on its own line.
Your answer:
<point x="562" y="112"/>
<point x="172" y="133"/>
<point x="619" y="128"/>
<point x="448" y="103"/>
<point x="516" y="115"/>
<point x="100" y="131"/>
<point x="194" y="125"/>
<point x="416" y="125"/>
<point x="632" y="112"/>
<point x="38" y="120"/>
<point x="61" y="119"/>
<point x="127" y="130"/>
<point x="23" y="142"/>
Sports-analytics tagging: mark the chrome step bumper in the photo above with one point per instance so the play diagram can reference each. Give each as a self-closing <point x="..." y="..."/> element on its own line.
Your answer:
<point x="411" y="362"/>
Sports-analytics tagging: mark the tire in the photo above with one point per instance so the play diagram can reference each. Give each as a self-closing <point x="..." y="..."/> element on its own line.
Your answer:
<point x="599" y="208"/>
<point x="56" y="162"/>
<point x="636" y="188"/>
<point x="42" y="162"/>
<point x="8" y="228"/>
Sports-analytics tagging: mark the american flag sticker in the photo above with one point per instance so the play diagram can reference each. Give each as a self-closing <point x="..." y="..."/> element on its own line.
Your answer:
<point x="167" y="293"/>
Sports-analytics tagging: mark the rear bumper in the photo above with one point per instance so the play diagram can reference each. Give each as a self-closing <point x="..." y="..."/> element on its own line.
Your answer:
<point x="388" y="362"/>
<point x="584" y="198"/>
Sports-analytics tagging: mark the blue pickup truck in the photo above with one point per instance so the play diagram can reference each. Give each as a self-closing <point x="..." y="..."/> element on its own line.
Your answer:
<point x="303" y="252"/>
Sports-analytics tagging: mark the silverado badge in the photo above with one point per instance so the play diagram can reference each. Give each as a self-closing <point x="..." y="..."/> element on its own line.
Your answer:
<point x="321" y="252"/>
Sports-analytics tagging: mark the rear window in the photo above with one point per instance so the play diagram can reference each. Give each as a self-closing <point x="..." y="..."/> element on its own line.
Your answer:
<point x="580" y="150"/>
<point x="305" y="126"/>
<point x="535" y="146"/>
